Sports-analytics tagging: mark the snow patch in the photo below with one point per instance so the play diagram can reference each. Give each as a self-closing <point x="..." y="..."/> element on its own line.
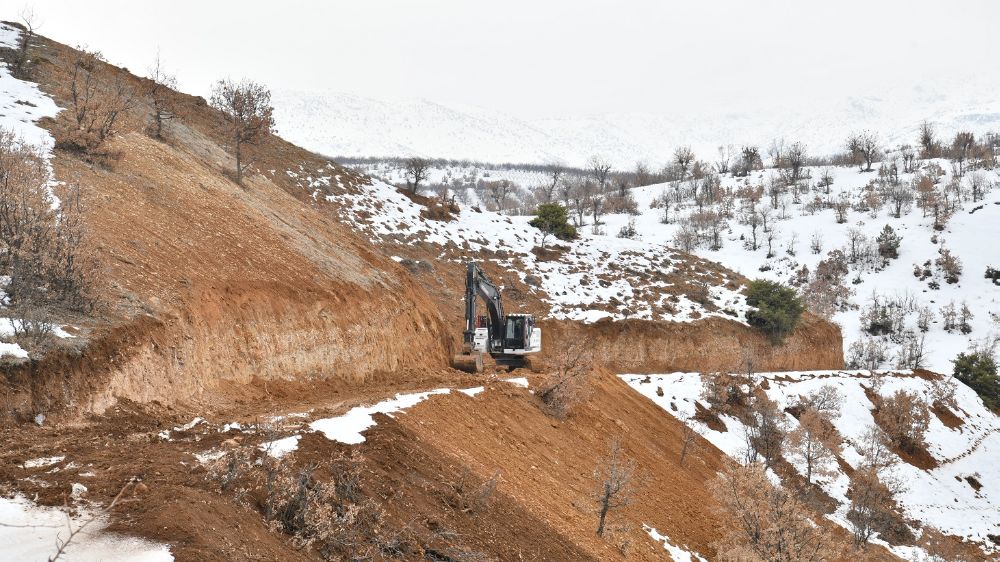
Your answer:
<point x="348" y="428"/>
<point x="43" y="461"/>
<point x="677" y="553"/>
<point x="29" y="533"/>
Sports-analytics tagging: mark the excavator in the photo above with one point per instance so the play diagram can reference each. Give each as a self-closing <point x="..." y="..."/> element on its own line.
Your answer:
<point x="508" y="339"/>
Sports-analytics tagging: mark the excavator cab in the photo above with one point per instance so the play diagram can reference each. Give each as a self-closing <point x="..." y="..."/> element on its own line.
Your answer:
<point x="517" y="332"/>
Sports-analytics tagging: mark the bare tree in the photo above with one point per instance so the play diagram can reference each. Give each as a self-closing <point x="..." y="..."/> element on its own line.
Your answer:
<point x="795" y="160"/>
<point x="753" y="220"/>
<point x="98" y="106"/>
<point x="816" y="242"/>
<point x="962" y="146"/>
<point x="31" y="24"/>
<point x="40" y="250"/>
<point x="613" y="476"/>
<point x="580" y="197"/>
<point x="825" y="180"/>
<point x="601" y="170"/>
<point x="904" y="417"/>
<point x="416" y="171"/>
<point x="555" y="174"/>
<point x="159" y="92"/>
<point x="927" y="140"/>
<point x="683" y="157"/>
<point x="871" y="504"/>
<point x="825" y="401"/>
<point x="565" y="386"/>
<point x="900" y="199"/>
<point x="841" y="205"/>
<point x="596" y="203"/>
<point x="812" y="442"/>
<point x="641" y="174"/>
<point x="750" y="159"/>
<point x="978" y="185"/>
<point x="909" y="158"/>
<point x="766" y="430"/>
<point x="247" y="111"/>
<point x="864" y="149"/>
<point x="498" y="192"/>
<point x="776" y="150"/>
<point x="726" y="153"/>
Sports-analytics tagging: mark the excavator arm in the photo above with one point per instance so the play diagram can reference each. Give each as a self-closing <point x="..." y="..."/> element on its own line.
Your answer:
<point x="478" y="285"/>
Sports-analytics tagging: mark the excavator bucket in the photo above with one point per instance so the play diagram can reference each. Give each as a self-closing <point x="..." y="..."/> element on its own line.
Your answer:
<point x="468" y="362"/>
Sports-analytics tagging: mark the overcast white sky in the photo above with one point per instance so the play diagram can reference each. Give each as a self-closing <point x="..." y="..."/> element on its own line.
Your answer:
<point x="533" y="58"/>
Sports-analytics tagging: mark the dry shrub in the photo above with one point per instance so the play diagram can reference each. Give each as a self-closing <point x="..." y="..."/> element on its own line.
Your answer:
<point x="772" y="524"/>
<point x="319" y="505"/>
<point x="469" y="495"/>
<point x="726" y="393"/>
<point x="943" y="548"/>
<point x="101" y="101"/>
<point x="873" y="486"/>
<point x="437" y="210"/>
<point x="567" y="385"/>
<point x="765" y="431"/>
<point x="41" y="248"/>
<point x="872" y="506"/>
<point x="904" y="417"/>
<point x="942" y="392"/>
<point x="826" y="401"/>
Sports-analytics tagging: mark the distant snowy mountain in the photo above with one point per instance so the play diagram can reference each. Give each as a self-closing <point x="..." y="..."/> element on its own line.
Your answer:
<point x="337" y="124"/>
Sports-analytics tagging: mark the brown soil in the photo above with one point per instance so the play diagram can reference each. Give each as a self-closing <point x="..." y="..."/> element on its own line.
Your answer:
<point x="946" y="416"/>
<point x="640" y="346"/>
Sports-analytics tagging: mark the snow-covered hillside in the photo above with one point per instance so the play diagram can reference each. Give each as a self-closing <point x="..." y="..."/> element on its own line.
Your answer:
<point x="595" y="277"/>
<point x="945" y="497"/>
<point x="21" y="102"/>
<point x="969" y="234"/>
<point x="338" y="124"/>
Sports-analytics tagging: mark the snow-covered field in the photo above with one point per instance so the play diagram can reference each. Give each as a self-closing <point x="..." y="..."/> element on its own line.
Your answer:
<point x="677" y="554"/>
<point x="941" y="497"/>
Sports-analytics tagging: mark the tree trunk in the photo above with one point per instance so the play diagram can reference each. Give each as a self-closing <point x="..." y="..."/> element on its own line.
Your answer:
<point x="239" y="162"/>
<point x="605" y="504"/>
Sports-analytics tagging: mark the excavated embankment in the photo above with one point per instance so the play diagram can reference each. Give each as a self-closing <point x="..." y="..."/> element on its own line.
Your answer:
<point x="642" y="346"/>
<point x="202" y="282"/>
